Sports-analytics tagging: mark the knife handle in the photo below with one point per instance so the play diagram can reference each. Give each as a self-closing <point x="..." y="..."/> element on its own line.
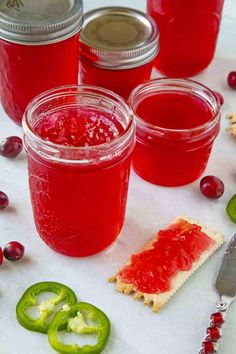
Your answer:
<point x="213" y="333"/>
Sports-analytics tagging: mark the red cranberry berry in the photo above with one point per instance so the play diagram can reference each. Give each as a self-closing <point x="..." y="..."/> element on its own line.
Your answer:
<point x="212" y="187"/>
<point x="1" y="256"/>
<point x="14" y="251"/>
<point x="11" y="147"/>
<point x="232" y="79"/>
<point x="220" y="97"/>
<point x="4" y="201"/>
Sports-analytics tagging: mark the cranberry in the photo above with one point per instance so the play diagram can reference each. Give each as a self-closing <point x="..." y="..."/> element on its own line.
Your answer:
<point x="219" y="97"/>
<point x="11" y="146"/>
<point x="1" y="256"/>
<point x="4" y="201"/>
<point x="232" y="79"/>
<point x="14" y="251"/>
<point x="212" y="187"/>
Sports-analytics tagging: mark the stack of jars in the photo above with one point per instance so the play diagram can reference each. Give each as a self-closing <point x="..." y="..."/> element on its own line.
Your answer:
<point x="80" y="139"/>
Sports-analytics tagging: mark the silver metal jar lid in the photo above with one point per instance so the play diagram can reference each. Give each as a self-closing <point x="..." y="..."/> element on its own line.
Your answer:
<point x="118" y="38"/>
<point x="39" y="21"/>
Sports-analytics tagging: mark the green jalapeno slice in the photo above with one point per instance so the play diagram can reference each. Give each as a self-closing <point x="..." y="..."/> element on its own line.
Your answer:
<point x="64" y="296"/>
<point x="78" y="319"/>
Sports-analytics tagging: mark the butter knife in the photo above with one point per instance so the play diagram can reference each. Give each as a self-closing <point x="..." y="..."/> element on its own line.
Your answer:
<point x="226" y="287"/>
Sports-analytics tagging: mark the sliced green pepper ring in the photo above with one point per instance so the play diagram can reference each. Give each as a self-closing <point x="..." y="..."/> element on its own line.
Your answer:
<point x="47" y="309"/>
<point x="76" y="320"/>
<point x="231" y="208"/>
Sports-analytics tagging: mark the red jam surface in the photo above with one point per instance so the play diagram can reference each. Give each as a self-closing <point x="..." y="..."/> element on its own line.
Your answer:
<point x="27" y="70"/>
<point x="121" y="82"/>
<point x="174" y="110"/>
<point x="79" y="209"/>
<point x="176" y="249"/>
<point x="188" y="34"/>
<point x="73" y="127"/>
<point x="168" y="158"/>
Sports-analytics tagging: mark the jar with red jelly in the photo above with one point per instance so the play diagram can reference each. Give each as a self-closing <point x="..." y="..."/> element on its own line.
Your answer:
<point x="39" y="49"/>
<point x="79" y="141"/>
<point x="188" y="34"/>
<point x="118" y="47"/>
<point x="177" y="123"/>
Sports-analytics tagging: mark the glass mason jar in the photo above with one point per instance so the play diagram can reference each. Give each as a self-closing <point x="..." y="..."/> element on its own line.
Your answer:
<point x="39" y="49"/>
<point x="188" y="34"/>
<point x="177" y="122"/>
<point x="118" y="47"/>
<point x="78" y="187"/>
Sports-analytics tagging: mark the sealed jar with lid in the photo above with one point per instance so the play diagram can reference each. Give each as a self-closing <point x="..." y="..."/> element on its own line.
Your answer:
<point x="39" y="49"/>
<point x="118" y="47"/>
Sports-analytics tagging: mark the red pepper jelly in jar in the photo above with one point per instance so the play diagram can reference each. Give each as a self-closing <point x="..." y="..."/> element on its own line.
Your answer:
<point x="177" y="123"/>
<point x="79" y="141"/>
<point x="188" y="34"/>
<point x="118" y="46"/>
<point x="39" y="49"/>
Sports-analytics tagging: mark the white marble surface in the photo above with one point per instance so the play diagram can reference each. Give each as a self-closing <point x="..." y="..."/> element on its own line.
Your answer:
<point x="180" y="326"/>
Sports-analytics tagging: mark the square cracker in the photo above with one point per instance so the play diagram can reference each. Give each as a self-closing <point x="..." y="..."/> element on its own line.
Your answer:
<point x="159" y="300"/>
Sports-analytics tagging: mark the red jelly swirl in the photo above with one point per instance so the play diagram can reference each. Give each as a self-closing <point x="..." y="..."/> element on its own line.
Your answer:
<point x="79" y="127"/>
<point x="176" y="249"/>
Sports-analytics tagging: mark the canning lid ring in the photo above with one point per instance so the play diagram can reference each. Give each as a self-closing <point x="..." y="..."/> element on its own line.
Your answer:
<point x="15" y="27"/>
<point x="120" y="58"/>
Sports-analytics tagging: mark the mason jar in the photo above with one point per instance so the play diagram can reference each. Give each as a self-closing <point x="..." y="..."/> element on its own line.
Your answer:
<point x="177" y="122"/>
<point x="188" y="34"/>
<point x="39" y="49"/>
<point x="118" y="48"/>
<point x="79" y="141"/>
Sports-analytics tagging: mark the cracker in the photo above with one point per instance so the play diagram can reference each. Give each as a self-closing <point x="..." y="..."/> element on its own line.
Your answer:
<point x="159" y="300"/>
<point x="232" y="121"/>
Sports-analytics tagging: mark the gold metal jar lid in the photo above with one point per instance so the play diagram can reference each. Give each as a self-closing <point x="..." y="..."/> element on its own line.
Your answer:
<point x="39" y="21"/>
<point x="118" y="38"/>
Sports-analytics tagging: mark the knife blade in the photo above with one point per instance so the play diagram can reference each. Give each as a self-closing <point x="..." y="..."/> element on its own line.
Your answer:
<point x="226" y="279"/>
<point x="226" y="287"/>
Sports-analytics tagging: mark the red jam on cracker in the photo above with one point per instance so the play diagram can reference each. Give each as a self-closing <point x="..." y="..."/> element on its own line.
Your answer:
<point x="175" y="250"/>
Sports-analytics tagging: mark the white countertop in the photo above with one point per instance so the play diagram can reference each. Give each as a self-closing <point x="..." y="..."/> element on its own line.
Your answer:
<point x="179" y="328"/>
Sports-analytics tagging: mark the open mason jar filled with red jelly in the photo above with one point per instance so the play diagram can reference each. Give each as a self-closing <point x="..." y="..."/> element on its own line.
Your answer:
<point x="188" y="34"/>
<point x="118" y="46"/>
<point x="79" y="141"/>
<point x="39" y="49"/>
<point x="177" y="123"/>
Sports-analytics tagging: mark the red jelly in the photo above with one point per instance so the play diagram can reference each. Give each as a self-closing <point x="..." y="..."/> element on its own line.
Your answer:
<point x="188" y="34"/>
<point x="118" y="46"/>
<point x="120" y="81"/>
<point x="176" y="249"/>
<point x="79" y="142"/>
<point x="39" y="49"/>
<point x="177" y="122"/>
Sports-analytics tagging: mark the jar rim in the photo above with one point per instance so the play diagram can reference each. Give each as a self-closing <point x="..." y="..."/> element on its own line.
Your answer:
<point x="20" y="25"/>
<point x="176" y="84"/>
<point x="52" y="147"/>
<point x="127" y="55"/>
